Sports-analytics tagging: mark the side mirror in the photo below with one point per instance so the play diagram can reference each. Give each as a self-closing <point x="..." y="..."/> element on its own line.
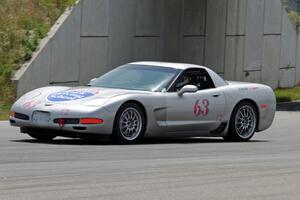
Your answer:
<point x="91" y="81"/>
<point x="187" y="88"/>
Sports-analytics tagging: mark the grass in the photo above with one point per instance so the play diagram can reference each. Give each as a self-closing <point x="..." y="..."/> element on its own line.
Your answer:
<point x="288" y="94"/>
<point x="23" y="23"/>
<point x="4" y="111"/>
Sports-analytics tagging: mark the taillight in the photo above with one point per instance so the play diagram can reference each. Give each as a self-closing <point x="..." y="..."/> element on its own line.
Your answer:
<point x="91" y="121"/>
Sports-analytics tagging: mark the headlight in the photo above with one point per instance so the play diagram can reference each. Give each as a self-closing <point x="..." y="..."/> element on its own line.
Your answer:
<point x="96" y="102"/>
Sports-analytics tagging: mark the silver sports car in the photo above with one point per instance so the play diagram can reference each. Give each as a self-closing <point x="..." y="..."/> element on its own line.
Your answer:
<point x="148" y="99"/>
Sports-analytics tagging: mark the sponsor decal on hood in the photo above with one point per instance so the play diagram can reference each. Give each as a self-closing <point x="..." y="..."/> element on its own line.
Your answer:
<point x="72" y="95"/>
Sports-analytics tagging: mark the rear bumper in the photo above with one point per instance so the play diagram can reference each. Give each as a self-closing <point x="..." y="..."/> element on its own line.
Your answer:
<point x="266" y="116"/>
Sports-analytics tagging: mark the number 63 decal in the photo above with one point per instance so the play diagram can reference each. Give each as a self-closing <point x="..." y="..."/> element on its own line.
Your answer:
<point x="201" y="107"/>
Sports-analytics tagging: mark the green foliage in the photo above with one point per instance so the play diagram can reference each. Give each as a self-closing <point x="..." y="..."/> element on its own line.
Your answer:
<point x="28" y="46"/>
<point x="283" y="99"/>
<point x="285" y="2"/>
<point x="23" y="23"/>
<point x="287" y="94"/>
<point x="6" y="90"/>
<point x="292" y="7"/>
<point x="295" y="17"/>
<point x="5" y="71"/>
<point x="4" y="110"/>
<point x="41" y="30"/>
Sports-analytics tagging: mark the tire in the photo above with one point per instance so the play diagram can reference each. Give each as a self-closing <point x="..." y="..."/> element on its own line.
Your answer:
<point x="129" y="125"/>
<point x="42" y="137"/>
<point x="242" y="123"/>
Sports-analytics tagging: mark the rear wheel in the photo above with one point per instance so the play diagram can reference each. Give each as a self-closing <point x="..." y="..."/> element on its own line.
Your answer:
<point x="242" y="123"/>
<point x="42" y="137"/>
<point x="130" y="124"/>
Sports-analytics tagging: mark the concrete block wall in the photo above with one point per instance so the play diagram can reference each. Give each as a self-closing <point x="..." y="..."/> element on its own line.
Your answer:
<point x="245" y="40"/>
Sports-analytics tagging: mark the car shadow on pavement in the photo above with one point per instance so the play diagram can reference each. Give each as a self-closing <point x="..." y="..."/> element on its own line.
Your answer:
<point x="67" y="141"/>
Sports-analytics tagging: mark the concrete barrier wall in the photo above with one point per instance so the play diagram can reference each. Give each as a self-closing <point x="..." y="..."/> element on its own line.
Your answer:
<point x="246" y="40"/>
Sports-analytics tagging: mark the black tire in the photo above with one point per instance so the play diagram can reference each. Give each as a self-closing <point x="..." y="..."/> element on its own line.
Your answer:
<point x="41" y="137"/>
<point x="133" y="129"/>
<point x="239" y="124"/>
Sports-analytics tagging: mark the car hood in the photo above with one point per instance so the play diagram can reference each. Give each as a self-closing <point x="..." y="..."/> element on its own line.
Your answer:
<point x="73" y="95"/>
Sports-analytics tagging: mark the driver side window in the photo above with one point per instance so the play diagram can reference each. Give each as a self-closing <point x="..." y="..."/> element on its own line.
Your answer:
<point x="197" y="77"/>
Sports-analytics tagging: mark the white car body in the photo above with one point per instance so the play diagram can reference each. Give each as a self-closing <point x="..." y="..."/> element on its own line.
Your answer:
<point x="205" y="112"/>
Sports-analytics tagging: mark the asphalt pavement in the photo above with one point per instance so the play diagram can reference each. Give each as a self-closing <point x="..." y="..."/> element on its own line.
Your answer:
<point x="268" y="167"/>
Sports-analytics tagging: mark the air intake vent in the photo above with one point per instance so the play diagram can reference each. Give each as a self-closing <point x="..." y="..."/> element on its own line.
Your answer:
<point x="21" y="116"/>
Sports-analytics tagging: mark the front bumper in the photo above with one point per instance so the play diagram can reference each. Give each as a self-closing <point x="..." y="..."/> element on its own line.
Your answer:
<point x="101" y="129"/>
<point x="62" y="133"/>
<point x="105" y="128"/>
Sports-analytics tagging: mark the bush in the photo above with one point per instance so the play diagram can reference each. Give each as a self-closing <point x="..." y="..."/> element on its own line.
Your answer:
<point x="5" y="71"/>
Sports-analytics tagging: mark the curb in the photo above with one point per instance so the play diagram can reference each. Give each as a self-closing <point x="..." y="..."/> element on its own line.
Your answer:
<point x="288" y="106"/>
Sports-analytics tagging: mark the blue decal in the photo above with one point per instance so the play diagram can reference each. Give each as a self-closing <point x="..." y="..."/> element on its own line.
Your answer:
<point x="71" y="95"/>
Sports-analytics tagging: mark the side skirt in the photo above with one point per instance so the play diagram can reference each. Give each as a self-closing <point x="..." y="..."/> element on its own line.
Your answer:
<point x="220" y="129"/>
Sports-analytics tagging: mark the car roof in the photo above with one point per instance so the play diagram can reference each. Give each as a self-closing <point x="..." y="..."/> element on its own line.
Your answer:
<point x="218" y="81"/>
<point x="181" y="66"/>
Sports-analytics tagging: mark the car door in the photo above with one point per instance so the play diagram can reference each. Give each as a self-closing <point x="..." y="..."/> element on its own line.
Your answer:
<point x="199" y="112"/>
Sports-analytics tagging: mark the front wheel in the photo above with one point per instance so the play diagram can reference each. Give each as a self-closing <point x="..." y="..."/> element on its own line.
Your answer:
<point x="130" y="124"/>
<point x="243" y="123"/>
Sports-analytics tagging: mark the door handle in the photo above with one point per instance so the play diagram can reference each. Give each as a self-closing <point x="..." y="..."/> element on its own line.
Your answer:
<point x="216" y="95"/>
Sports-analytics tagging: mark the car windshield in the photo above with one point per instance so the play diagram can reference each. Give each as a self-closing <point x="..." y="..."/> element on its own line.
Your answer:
<point x="137" y="77"/>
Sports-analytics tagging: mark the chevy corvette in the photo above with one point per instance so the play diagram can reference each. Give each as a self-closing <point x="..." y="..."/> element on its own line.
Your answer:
<point x="148" y="99"/>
